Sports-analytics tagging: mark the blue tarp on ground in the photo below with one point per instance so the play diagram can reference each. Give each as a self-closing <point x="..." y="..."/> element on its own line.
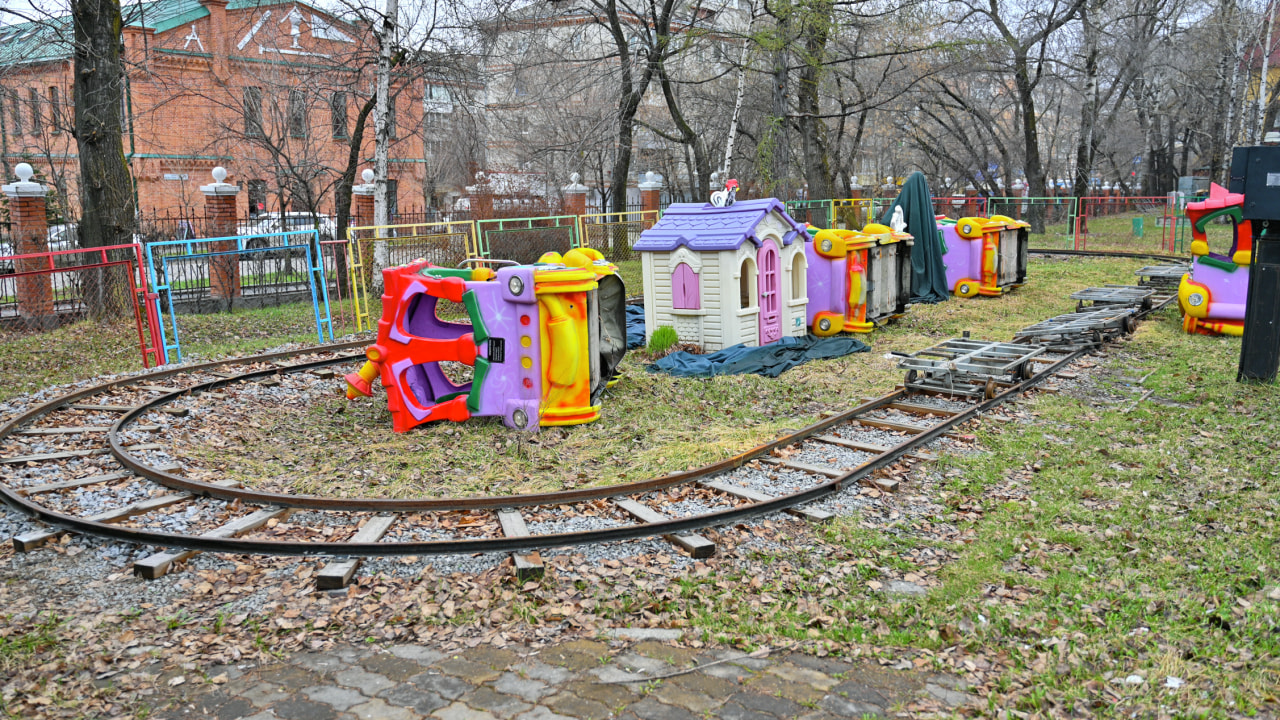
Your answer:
<point x="771" y="360"/>
<point x="635" y="326"/>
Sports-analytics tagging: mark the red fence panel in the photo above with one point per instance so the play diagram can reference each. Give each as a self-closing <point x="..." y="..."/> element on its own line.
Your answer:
<point x="1126" y="224"/>
<point x="40" y="292"/>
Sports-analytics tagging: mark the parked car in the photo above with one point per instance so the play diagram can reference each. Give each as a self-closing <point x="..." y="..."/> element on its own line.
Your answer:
<point x="61" y="237"/>
<point x="64" y="237"/>
<point x="268" y="223"/>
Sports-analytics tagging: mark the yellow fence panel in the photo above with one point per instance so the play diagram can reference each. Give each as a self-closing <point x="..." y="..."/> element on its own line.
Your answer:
<point x="373" y="248"/>
<point x="615" y="233"/>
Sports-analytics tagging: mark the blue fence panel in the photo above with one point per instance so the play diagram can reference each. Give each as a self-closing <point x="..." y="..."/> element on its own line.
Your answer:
<point x="305" y="242"/>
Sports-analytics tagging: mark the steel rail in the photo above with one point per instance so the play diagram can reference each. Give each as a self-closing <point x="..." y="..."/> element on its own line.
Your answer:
<point x="478" y="502"/>
<point x="535" y="542"/>
<point x="1108" y="253"/>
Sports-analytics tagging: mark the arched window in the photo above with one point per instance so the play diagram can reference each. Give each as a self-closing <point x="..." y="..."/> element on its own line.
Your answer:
<point x="686" y="292"/>
<point x="747" y="284"/>
<point x="798" y="277"/>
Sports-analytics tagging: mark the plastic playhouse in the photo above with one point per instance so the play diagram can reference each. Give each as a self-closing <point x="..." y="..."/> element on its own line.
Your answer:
<point x="543" y="342"/>
<point x="984" y="256"/>
<point x="725" y="275"/>
<point x="857" y="278"/>
<point x="1212" y="296"/>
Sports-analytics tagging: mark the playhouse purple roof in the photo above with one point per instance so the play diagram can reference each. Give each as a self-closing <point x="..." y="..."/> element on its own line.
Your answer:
<point x="704" y="227"/>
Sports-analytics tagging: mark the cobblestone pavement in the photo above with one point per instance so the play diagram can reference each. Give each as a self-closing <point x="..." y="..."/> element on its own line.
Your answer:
<point x="569" y="680"/>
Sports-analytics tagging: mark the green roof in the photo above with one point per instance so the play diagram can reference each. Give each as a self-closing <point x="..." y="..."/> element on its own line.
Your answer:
<point x="48" y="40"/>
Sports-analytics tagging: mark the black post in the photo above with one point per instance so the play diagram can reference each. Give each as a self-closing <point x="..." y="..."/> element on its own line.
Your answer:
<point x="1255" y="171"/>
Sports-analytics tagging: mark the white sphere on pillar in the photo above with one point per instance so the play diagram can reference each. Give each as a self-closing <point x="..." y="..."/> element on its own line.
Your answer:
<point x="367" y="175"/>
<point x="24" y="172"/>
<point x="219" y="174"/>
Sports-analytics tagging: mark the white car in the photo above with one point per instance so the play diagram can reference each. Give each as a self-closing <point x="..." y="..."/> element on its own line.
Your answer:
<point x="61" y="237"/>
<point x="269" y="223"/>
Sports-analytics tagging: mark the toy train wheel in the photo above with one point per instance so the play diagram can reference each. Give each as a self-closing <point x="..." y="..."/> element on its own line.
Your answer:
<point x="990" y="390"/>
<point x="1146" y="304"/>
<point x="912" y="376"/>
<point x="1025" y="372"/>
<point x="1130" y="325"/>
<point x="966" y="288"/>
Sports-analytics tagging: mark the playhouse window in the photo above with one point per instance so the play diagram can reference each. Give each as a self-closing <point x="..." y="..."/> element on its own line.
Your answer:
<point x="686" y="294"/>
<point x="798" y="276"/>
<point x="747" y="284"/>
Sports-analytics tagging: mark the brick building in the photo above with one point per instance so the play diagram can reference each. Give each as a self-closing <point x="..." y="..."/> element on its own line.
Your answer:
<point x="269" y="90"/>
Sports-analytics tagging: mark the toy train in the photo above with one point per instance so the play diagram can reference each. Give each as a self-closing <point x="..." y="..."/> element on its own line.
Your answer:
<point x="544" y="340"/>
<point x="984" y="256"/>
<point x="1212" y="296"/>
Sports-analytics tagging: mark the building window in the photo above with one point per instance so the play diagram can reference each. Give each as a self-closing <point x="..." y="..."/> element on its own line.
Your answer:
<point x="253" y="112"/>
<point x="338" y="115"/>
<point x="798" y="277"/>
<point x="747" y="284"/>
<point x="686" y="294"/>
<point x="297" y="114"/>
<point x="257" y="196"/>
<point x="15" y="113"/>
<point x="393" y="204"/>
<point x="55" y="110"/>
<point x="37" y="125"/>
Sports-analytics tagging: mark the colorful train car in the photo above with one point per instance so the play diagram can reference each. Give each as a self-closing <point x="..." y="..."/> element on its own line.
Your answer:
<point x="856" y="278"/>
<point x="984" y="256"/>
<point x="542" y="343"/>
<point x="1212" y="296"/>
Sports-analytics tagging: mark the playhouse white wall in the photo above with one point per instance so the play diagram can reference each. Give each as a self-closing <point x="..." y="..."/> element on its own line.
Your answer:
<point x="720" y="322"/>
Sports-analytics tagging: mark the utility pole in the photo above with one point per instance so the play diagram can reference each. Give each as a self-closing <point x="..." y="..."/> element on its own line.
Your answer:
<point x="382" y="138"/>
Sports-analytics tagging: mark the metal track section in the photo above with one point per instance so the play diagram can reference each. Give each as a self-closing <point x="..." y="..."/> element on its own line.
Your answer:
<point x="973" y="368"/>
<point x="1113" y="296"/>
<point x="1080" y="330"/>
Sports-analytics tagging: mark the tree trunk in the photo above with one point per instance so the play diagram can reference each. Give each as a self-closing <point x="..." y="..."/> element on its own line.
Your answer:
<point x="1031" y="139"/>
<point x="108" y="210"/>
<point x="382" y="120"/>
<point x="106" y="185"/>
<point x="813" y="130"/>
<point x="1088" y="105"/>
<point x="342" y="194"/>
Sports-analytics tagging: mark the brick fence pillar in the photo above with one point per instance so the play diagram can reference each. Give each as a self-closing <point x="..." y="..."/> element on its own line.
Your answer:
<point x="651" y="192"/>
<point x="362" y="216"/>
<point x="31" y="235"/>
<point x="220" y="211"/>
<point x="575" y="196"/>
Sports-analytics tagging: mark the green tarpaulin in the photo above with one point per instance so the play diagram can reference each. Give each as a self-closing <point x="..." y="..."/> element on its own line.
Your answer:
<point x="928" y="276"/>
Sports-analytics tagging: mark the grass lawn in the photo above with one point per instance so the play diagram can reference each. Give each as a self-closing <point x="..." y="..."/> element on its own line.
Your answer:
<point x="1114" y="541"/>
<point x="1110" y="550"/>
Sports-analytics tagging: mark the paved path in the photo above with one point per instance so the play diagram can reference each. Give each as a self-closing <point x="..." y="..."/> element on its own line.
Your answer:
<point x="409" y="682"/>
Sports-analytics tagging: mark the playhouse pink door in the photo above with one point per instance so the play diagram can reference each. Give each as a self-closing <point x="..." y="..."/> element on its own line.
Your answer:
<point x="770" y="300"/>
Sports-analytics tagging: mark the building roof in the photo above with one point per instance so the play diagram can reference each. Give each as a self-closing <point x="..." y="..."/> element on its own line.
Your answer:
<point x="50" y="39"/>
<point x="705" y="228"/>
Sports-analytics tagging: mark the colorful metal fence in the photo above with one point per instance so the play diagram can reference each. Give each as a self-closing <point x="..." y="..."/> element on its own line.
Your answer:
<point x="524" y="240"/>
<point x="614" y="233"/>
<point x="1053" y="219"/>
<point x="104" y="285"/>
<point x="221" y="273"/>
<point x="373" y="248"/>
<point x="1127" y="224"/>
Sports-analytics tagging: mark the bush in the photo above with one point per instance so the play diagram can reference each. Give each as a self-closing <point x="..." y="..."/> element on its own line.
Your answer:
<point x="662" y="340"/>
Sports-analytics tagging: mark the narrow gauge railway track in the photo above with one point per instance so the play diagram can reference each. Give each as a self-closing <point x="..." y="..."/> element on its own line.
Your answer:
<point x="833" y="454"/>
